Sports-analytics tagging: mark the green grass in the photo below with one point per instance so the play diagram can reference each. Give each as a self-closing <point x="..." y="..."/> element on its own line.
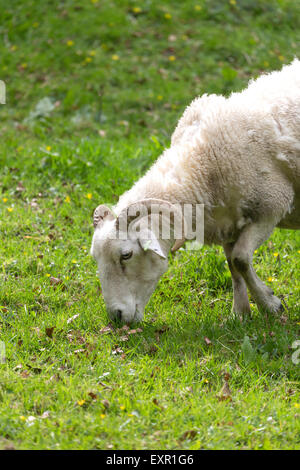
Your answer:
<point x="165" y="390"/>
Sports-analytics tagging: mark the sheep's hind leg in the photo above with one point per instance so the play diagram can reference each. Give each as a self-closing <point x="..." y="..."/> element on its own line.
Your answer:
<point x="249" y="240"/>
<point x="241" y="304"/>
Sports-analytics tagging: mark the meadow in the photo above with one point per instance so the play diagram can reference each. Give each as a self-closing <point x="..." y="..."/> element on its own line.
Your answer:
<point x="93" y="92"/>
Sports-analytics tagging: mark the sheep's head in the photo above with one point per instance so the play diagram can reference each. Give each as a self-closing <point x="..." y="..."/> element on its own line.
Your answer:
<point x="130" y="258"/>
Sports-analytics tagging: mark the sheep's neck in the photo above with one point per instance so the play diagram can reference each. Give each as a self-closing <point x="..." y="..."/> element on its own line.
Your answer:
<point x="167" y="180"/>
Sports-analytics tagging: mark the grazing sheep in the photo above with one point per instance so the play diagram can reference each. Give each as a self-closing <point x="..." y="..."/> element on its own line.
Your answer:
<point x="240" y="157"/>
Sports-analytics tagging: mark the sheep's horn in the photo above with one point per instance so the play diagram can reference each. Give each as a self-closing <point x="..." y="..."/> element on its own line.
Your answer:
<point x="178" y="244"/>
<point x="137" y="209"/>
<point x="102" y="212"/>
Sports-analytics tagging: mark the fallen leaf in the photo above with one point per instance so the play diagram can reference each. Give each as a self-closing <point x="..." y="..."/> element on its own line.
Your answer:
<point x="156" y="403"/>
<point x="49" y="331"/>
<point x="124" y="338"/>
<point x="79" y="351"/>
<point x="121" y="330"/>
<point x="191" y="434"/>
<point x="117" y="351"/>
<point x="20" y="187"/>
<point x="226" y="376"/>
<point x="225" y="393"/>
<point x="72" y="318"/>
<point x="134" y="331"/>
<point x="106" y="329"/>
<point x="34" y="204"/>
<point x="104" y="385"/>
<point x="55" y="281"/>
<point x="207" y="340"/>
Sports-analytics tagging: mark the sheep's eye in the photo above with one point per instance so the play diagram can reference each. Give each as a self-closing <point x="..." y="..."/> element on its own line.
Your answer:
<point x="126" y="255"/>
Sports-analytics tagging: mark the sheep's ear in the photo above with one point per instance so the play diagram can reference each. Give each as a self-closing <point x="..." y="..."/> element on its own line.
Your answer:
<point x="102" y="213"/>
<point x="152" y="244"/>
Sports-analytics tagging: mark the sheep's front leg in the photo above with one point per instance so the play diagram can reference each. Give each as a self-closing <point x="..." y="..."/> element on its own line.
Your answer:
<point x="249" y="240"/>
<point x="240" y="295"/>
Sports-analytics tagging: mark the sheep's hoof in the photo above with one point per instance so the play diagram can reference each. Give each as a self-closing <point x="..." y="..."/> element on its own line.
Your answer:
<point x="241" y="314"/>
<point x="274" y="305"/>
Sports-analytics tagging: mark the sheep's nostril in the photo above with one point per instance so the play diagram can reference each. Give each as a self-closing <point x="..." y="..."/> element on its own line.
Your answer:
<point x="118" y="314"/>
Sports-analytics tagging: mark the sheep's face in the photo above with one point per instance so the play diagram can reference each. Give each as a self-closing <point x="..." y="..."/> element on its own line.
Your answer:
<point x="128" y="269"/>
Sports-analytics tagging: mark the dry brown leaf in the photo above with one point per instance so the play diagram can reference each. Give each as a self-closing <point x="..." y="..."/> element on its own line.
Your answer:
<point x="225" y="393"/>
<point x="55" y="281"/>
<point x="191" y="434"/>
<point x="156" y="403"/>
<point x="49" y="331"/>
<point x="226" y="376"/>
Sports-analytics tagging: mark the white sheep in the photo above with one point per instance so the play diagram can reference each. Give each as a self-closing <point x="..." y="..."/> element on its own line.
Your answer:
<point x="240" y="157"/>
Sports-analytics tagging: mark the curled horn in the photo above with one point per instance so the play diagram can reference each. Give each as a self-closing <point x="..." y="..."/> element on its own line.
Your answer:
<point x="143" y="207"/>
<point x="102" y="212"/>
